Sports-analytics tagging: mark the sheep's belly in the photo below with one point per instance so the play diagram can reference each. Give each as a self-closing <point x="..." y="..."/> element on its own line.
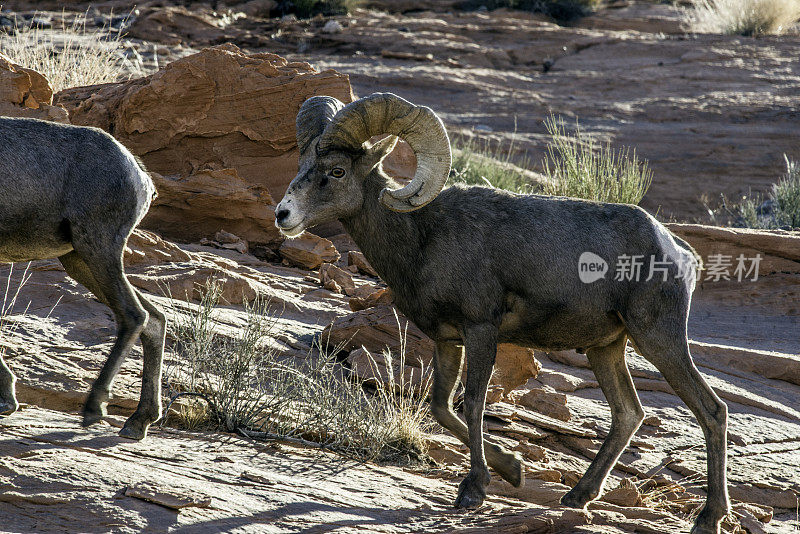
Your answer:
<point x="560" y="330"/>
<point x="28" y="248"/>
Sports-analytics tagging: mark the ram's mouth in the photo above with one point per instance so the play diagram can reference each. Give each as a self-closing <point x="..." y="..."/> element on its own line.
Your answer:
<point x="294" y="231"/>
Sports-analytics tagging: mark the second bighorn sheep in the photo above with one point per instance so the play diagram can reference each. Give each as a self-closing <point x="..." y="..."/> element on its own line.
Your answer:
<point x="75" y="193"/>
<point x="473" y="267"/>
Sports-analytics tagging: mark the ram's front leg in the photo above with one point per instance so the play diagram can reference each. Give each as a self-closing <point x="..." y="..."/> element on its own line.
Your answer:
<point x="480" y="343"/>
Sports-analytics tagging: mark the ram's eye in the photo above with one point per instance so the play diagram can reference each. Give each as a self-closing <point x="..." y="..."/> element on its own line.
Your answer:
<point x="337" y="172"/>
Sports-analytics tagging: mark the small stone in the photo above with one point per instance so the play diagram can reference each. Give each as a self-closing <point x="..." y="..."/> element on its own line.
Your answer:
<point x="359" y="261"/>
<point x="548" y="475"/>
<point x="494" y="394"/>
<point x="255" y="477"/>
<point x="547" y="401"/>
<point x="381" y="297"/>
<point x="174" y="498"/>
<point x="309" y="251"/>
<point x="535" y="453"/>
<point x="332" y="26"/>
<point x="514" y="366"/>
<point x="378" y="328"/>
<point x="652" y="420"/>
<point x="626" y="494"/>
<point x="336" y="279"/>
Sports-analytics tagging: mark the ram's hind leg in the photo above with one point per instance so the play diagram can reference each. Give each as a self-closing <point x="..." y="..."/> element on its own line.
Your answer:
<point x="99" y="268"/>
<point x="608" y="364"/>
<point x="665" y="345"/>
<point x="152" y="336"/>
<point x="149" y="409"/>
<point x="448" y="361"/>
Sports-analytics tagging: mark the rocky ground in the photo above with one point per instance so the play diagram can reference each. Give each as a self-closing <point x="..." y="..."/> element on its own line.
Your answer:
<point x="216" y="129"/>
<point x="556" y="417"/>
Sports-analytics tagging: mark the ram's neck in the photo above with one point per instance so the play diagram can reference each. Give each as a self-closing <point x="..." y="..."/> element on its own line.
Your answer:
<point x="389" y="240"/>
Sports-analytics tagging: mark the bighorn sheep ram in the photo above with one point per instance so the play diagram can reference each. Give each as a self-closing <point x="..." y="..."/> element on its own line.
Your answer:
<point x="75" y="193"/>
<point x="474" y="266"/>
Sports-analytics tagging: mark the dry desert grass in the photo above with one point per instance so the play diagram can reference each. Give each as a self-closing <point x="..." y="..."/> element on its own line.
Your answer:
<point x="743" y="17"/>
<point x="251" y="389"/>
<point x="72" y="54"/>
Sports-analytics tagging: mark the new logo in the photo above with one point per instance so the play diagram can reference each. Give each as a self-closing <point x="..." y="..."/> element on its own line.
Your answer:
<point x="591" y="267"/>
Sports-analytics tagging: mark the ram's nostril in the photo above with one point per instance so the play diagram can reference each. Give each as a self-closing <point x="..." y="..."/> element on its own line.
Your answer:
<point x="282" y="214"/>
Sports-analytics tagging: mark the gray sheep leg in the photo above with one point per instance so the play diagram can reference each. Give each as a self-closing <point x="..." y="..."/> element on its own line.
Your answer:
<point x="608" y="364"/>
<point x="480" y="344"/>
<point x="448" y="361"/>
<point x="670" y="354"/>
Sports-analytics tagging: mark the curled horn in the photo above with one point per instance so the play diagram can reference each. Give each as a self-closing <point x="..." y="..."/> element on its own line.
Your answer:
<point x="314" y="115"/>
<point x="387" y="113"/>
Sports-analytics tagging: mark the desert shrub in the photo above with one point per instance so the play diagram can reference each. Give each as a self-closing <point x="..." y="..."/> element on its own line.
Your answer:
<point x="481" y="162"/>
<point x="252" y="390"/>
<point x="562" y="11"/>
<point x="577" y="166"/>
<point x="72" y="55"/>
<point x="310" y="8"/>
<point x="781" y="208"/>
<point x="743" y="17"/>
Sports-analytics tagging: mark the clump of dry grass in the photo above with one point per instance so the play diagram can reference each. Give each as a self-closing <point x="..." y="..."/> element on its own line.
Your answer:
<point x="743" y="17"/>
<point x="9" y="303"/>
<point x="576" y="166"/>
<point x="247" y="387"/>
<point x="70" y="55"/>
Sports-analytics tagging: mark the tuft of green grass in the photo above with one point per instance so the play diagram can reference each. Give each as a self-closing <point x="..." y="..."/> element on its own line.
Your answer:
<point x="781" y="209"/>
<point x="249" y="388"/>
<point x="576" y="166"/>
<point x="72" y="55"/>
<point x="743" y="17"/>
<point x="481" y="162"/>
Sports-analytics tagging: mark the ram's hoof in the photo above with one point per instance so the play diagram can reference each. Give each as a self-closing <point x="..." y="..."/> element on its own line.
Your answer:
<point x="7" y="408"/>
<point x="93" y="415"/>
<point x="472" y="490"/>
<point x="576" y="498"/>
<point x="133" y="432"/>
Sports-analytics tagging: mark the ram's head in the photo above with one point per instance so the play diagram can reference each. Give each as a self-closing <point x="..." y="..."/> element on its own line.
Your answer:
<point x="336" y="157"/>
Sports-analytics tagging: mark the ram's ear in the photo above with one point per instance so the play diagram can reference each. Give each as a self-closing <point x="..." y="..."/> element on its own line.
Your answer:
<point x="376" y="152"/>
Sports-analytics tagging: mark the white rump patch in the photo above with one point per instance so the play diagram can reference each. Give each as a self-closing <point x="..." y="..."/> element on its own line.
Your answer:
<point x="675" y="253"/>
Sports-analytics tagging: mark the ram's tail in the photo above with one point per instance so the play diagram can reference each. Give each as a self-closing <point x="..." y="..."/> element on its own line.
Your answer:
<point x="140" y="163"/>
<point x="695" y="273"/>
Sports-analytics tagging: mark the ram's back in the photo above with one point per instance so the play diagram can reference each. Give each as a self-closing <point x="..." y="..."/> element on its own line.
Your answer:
<point x="489" y="249"/>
